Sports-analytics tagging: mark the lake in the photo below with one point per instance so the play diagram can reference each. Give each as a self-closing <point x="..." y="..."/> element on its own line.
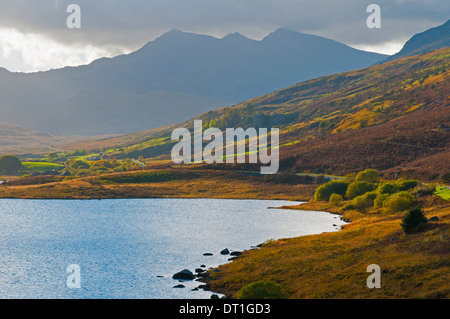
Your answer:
<point x="130" y="248"/>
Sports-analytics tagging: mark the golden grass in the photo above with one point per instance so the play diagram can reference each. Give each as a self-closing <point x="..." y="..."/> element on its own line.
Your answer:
<point x="205" y="184"/>
<point x="329" y="265"/>
<point x="334" y="265"/>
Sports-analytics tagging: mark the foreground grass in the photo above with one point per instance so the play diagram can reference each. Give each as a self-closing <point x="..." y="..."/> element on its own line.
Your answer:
<point x="334" y="265"/>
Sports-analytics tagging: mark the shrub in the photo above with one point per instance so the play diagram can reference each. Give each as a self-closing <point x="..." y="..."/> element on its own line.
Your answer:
<point x="387" y="188"/>
<point x="413" y="221"/>
<point x="398" y="202"/>
<point x="356" y="189"/>
<point x="262" y="289"/>
<point x="379" y="200"/>
<point x="364" y="202"/>
<point x="368" y="175"/>
<point x="324" y="192"/>
<point x="336" y="199"/>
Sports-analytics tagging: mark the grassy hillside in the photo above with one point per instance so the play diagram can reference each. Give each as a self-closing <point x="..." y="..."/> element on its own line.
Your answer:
<point x="20" y="139"/>
<point x="394" y="117"/>
<point x="334" y="265"/>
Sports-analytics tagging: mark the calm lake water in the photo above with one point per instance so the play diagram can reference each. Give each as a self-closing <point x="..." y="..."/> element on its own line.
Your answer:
<point x="123" y="245"/>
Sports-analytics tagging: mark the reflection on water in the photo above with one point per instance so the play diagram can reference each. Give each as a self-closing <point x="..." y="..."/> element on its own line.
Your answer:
<point x="130" y="248"/>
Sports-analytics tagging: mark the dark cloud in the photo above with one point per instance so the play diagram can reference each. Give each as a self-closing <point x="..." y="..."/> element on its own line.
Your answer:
<point x="134" y="22"/>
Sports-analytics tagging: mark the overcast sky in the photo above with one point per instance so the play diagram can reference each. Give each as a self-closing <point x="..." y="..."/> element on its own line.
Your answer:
<point x="34" y="35"/>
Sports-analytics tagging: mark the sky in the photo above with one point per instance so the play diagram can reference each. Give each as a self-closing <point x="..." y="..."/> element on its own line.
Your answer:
<point x="34" y="35"/>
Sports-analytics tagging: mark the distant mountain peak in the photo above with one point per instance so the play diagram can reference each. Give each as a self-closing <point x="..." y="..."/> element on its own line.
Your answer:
<point x="429" y="40"/>
<point x="198" y="73"/>
<point x="235" y="35"/>
<point x="283" y="34"/>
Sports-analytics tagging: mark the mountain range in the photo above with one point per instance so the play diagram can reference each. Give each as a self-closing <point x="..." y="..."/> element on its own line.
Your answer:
<point x="169" y="80"/>
<point x="393" y="117"/>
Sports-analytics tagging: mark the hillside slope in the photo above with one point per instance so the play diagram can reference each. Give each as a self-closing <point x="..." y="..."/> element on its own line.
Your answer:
<point x="394" y="117"/>
<point x="429" y="40"/>
<point x="14" y="138"/>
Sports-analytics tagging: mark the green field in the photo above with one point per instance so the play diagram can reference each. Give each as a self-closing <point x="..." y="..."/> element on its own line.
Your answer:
<point x="40" y="166"/>
<point x="444" y="192"/>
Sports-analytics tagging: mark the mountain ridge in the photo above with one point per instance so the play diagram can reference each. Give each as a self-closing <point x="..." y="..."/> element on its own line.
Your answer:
<point x="426" y="41"/>
<point x="212" y="72"/>
<point x="390" y="116"/>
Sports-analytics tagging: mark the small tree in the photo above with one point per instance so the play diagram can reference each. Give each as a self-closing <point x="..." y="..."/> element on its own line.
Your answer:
<point x="53" y="156"/>
<point x="10" y="164"/>
<point x="413" y="220"/>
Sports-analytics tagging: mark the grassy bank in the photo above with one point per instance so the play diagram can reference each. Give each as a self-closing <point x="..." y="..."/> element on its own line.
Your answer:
<point x="156" y="184"/>
<point x="328" y="265"/>
<point x="334" y="265"/>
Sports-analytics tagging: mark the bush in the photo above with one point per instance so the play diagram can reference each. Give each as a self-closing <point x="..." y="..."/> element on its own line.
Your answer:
<point x="368" y="175"/>
<point x="324" y="192"/>
<point x="336" y="199"/>
<point x="398" y="202"/>
<point x="413" y="221"/>
<point x="356" y="189"/>
<point x="379" y="200"/>
<point x="262" y="289"/>
<point x="387" y="188"/>
<point x="364" y="202"/>
<point x="79" y="165"/>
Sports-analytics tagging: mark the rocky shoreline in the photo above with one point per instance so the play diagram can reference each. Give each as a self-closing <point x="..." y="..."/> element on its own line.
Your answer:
<point x="202" y="273"/>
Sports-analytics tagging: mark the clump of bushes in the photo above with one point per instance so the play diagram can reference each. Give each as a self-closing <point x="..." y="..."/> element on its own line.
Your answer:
<point x="367" y="192"/>
<point x="387" y="188"/>
<point x="262" y="289"/>
<point x="368" y="175"/>
<point x="83" y="168"/>
<point x="399" y="201"/>
<point x="364" y="202"/>
<point x="356" y="189"/>
<point x="324" y="192"/>
<point x="413" y="221"/>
